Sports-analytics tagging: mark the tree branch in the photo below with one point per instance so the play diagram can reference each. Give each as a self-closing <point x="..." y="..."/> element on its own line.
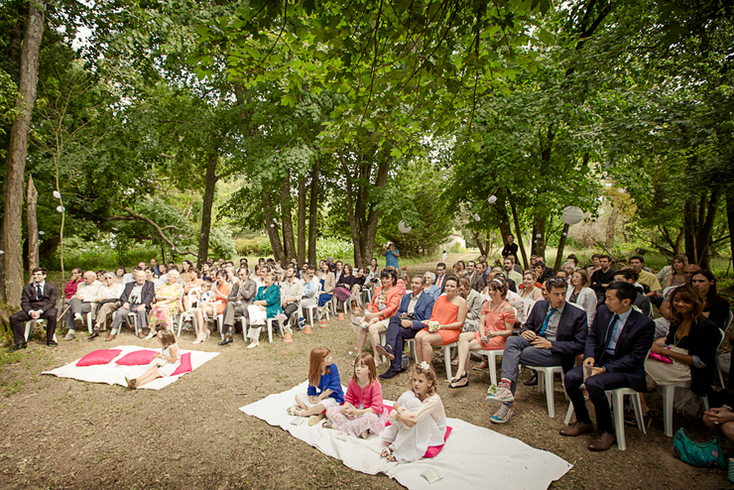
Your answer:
<point x="133" y="216"/>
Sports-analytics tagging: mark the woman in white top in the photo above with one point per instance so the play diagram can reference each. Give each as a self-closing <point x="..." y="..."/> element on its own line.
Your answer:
<point x="529" y="289"/>
<point x="582" y="295"/>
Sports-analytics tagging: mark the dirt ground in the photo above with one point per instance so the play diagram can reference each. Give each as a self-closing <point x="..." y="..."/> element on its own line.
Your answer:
<point x="62" y="433"/>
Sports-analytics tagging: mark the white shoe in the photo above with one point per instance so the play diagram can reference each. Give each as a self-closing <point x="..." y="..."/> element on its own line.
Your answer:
<point x="150" y="335"/>
<point x="253" y="345"/>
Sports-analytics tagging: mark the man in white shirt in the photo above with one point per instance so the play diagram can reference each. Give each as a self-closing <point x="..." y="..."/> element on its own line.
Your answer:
<point x="87" y="293"/>
<point x="291" y="292"/>
<point x="108" y="299"/>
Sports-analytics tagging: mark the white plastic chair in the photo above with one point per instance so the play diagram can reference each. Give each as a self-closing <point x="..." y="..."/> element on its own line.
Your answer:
<point x="29" y="327"/>
<point x="492" y="356"/>
<point x="718" y="367"/>
<point x="91" y="316"/>
<point x="409" y="342"/>
<point x="447" y="358"/>
<point x="545" y="383"/>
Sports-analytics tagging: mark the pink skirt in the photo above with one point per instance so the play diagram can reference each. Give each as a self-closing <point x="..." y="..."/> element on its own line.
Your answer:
<point x="355" y="426"/>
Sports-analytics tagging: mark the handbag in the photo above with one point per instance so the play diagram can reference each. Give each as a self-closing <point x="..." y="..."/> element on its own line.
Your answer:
<point x="659" y="357"/>
<point x="704" y="455"/>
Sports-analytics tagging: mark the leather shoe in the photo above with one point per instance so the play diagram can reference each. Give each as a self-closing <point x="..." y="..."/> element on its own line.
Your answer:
<point x="110" y="338"/>
<point x="602" y="442"/>
<point x="576" y="429"/>
<point x="51" y="343"/>
<point x="93" y="336"/>
<point x="385" y="351"/>
<point x="389" y="374"/>
<point x="226" y="341"/>
<point x="533" y="381"/>
<point x="481" y="366"/>
<point x="22" y="345"/>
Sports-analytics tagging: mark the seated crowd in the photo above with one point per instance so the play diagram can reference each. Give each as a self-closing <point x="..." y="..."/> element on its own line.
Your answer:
<point x="594" y="324"/>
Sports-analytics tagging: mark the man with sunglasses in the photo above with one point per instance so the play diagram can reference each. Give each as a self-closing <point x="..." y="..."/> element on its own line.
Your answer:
<point x="553" y="335"/>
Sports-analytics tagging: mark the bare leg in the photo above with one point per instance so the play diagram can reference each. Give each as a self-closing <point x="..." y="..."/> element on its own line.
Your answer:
<point x="307" y="412"/>
<point x="643" y="405"/>
<point x="361" y="338"/>
<point x="375" y="330"/>
<point x="148" y="376"/>
<point x="422" y="350"/>
<point x="467" y="343"/>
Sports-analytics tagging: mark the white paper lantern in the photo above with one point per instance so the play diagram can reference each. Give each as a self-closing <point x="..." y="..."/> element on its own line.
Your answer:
<point x="60" y="209"/>
<point x="2" y="252"/>
<point x="41" y="233"/>
<point x="538" y="235"/>
<point x="57" y="195"/>
<point x="272" y="225"/>
<point x="572" y="215"/>
<point x="275" y="220"/>
<point x="477" y="217"/>
<point x="564" y="234"/>
<point x="403" y="227"/>
<point x="492" y="199"/>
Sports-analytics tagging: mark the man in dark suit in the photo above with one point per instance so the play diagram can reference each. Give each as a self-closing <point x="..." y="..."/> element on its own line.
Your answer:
<point x="415" y="307"/>
<point x="38" y="300"/>
<point x="614" y="357"/>
<point x="240" y="297"/>
<point x="553" y="335"/>
<point x="641" y="301"/>
<point x="479" y="280"/>
<point x="136" y="298"/>
<point x="441" y="276"/>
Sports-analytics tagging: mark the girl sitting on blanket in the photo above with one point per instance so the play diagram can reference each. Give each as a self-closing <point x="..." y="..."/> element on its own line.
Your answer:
<point x="165" y="362"/>
<point x="324" y="387"/>
<point x="418" y="419"/>
<point x="363" y="411"/>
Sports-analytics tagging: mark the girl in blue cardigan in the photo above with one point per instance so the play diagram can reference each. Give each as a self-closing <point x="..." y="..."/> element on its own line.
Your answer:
<point x="265" y="305"/>
<point x="324" y="387"/>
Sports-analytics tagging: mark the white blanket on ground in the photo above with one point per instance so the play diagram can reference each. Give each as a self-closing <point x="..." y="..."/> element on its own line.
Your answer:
<point x="111" y="373"/>
<point x="473" y="457"/>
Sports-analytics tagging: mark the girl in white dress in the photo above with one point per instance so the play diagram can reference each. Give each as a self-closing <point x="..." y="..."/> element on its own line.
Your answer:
<point x="165" y="362"/>
<point x="418" y="419"/>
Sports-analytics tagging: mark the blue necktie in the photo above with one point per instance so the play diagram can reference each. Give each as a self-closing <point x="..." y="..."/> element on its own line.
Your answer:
<point x="613" y="335"/>
<point x="547" y="319"/>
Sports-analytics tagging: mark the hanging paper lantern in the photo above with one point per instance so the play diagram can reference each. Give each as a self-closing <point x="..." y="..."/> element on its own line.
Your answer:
<point x="492" y="199"/>
<point x="57" y="194"/>
<point x="538" y="235"/>
<point x="564" y="233"/>
<point x="477" y="217"/>
<point x="403" y="227"/>
<point x="2" y="252"/>
<point x="41" y="233"/>
<point x="60" y="209"/>
<point x="572" y="215"/>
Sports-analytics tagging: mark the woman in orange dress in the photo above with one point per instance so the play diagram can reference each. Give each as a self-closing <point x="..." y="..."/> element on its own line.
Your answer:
<point x="449" y="311"/>
<point x="216" y="307"/>
<point x="495" y="325"/>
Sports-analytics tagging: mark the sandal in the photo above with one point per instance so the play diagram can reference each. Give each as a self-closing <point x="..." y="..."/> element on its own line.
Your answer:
<point x="387" y="452"/>
<point x="327" y="424"/>
<point x="454" y="382"/>
<point x="294" y="411"/>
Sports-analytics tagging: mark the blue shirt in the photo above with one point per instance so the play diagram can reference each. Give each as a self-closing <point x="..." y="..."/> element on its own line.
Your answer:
<point x="328" y="381"/>
<point x="617" y="329"/>
<point x="390" y="258"/>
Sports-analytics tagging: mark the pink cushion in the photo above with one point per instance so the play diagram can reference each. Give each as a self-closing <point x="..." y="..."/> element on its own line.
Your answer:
<point x="432" y="451"/>
<point x="136" y="358"/>
<point x="102" y="356"/>
<point x="185" y="366"/>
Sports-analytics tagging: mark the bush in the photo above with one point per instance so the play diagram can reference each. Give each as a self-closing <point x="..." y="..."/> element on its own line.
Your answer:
<point x="253" y="247"/>
<point x="334" y="247"/>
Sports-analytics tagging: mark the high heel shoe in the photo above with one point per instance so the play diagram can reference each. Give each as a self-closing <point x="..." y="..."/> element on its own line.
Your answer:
<point x="200" y="339"/>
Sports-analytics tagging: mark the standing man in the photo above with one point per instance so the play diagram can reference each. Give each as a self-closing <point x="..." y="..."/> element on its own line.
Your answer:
<point x="391" y="256"/>
<point x="38" y="300"/>
<point x="602" y="278"/>
<point x="510" y="248"/>
<point x="614" y="356"/>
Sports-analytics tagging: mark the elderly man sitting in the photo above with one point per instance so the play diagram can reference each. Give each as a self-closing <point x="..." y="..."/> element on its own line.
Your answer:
<point x="553" y="335"/>
<point x="87" y="292"/>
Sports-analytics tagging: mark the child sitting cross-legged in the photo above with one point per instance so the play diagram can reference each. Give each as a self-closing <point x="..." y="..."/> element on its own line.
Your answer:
<point x="324" y="387"/>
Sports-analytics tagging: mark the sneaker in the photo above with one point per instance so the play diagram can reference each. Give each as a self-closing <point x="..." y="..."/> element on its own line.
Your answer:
<point x="501" y="393"/>
<point x="301" y="323"/>
<point x="504" y="413"/>
<point x="70" y="336"/>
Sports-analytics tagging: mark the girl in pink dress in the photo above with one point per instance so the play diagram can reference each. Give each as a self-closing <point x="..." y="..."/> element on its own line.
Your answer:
<point x="363" y="411"/>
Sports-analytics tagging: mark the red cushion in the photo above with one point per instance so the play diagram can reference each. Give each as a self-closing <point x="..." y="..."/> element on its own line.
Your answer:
<point x="136" y="358"/>
<point x="102" y="356"/>
<point x="185" y="366"/>
<point x="432" y="451"/>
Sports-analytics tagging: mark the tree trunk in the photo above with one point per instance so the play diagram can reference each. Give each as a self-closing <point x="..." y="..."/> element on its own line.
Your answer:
<point x="706" y="229"/>
<point x="539" y="241"/>
<point x="730" y="215"/>
<point x="17" y="151"/>
<point x="313" y="213"/>
<point x="301" y="254"/>
<point x="518" y="233"/>
<point x="689" y="227"/>
<point x="210" y="185"/>
<point x="561" y="246"/>
<point x="289" y="241"/>
<point x="272" y="229"/>
<point x="609" y="239"/>
<point x="32" y="200"/>
<point x="483" y="249"/>
<point x="163" y="254"/>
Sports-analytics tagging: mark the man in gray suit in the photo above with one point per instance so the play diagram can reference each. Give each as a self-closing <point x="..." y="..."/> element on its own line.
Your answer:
<point x="240" y="297"/>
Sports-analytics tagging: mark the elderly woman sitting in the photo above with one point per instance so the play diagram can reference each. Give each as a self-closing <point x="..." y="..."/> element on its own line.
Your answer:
<point x="495" y="325"/>
<point x="168" y="303"/>
<point x="429" y="286"/>
<point x="445" y="324"/>
<point x="378" y="314"/>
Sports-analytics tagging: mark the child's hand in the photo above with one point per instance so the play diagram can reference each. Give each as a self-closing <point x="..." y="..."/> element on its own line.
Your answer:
<point x="407" y="420"/>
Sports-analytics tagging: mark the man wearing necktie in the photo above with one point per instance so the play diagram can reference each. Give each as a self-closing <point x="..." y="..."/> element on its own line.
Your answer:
<point x="614" y="357"/>
<point x="553" y="334"/>
<point x="37" y="301"/>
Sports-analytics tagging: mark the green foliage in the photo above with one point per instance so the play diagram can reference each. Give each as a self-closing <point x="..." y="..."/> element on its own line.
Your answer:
<point x="258" y="246"/>
<point x="334" y="247"/>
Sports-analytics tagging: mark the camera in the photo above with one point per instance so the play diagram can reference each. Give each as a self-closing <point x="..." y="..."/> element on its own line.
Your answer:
<point x="374" y="280"/>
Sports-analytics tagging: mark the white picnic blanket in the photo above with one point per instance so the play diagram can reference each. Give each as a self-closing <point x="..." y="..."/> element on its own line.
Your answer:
<point x="473" y="457"/>
<point x="111" y="373"/>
